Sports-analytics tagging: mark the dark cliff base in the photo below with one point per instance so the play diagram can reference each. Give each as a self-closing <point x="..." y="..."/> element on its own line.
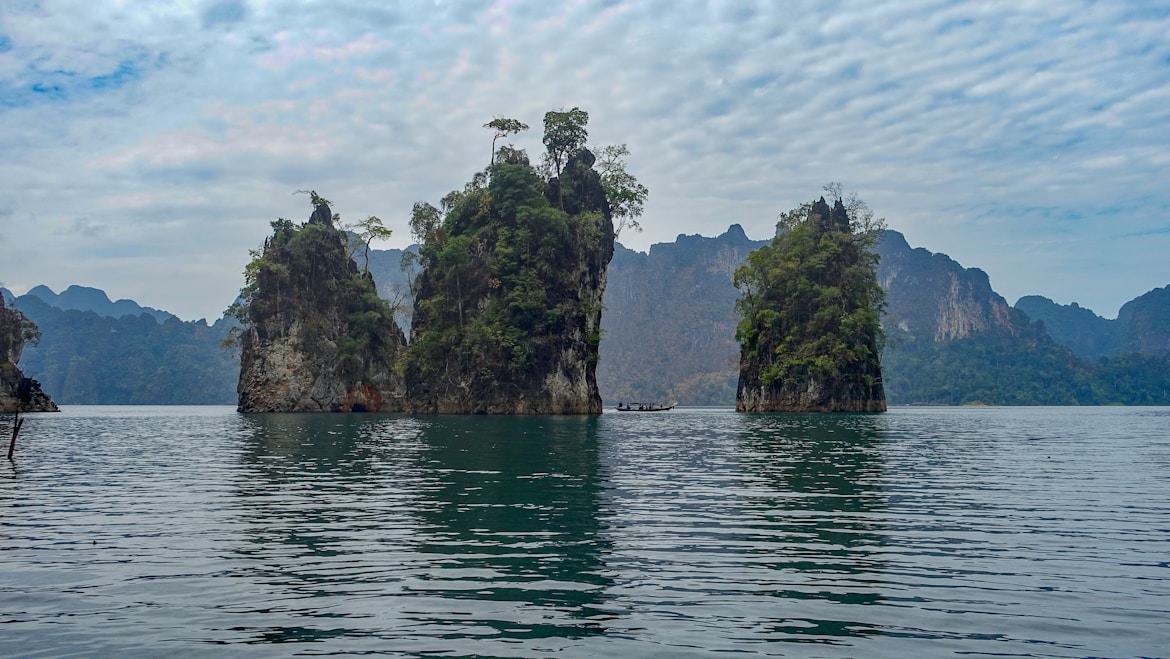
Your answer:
<point x="24" y="395"/>
<point x="810" y="395"/>
<point x="782" y="401"/>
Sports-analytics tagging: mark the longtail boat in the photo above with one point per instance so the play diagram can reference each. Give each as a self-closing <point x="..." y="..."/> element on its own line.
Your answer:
<point x="643" y="407"/>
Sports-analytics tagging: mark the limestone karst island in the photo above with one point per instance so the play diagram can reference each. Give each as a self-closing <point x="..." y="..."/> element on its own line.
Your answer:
<point x="507" y="296"/>
<point x="811" y="310"/>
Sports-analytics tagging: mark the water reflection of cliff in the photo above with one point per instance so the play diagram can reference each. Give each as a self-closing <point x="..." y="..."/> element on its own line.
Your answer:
<point x="816" y="521"/>
<point x="407" y="528"/>
<point x="509" y="515"/>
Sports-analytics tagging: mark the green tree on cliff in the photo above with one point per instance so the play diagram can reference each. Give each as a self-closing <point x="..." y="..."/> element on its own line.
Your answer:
<point x="623" y="191"/>
<point x="564" y="135"/>
<point x="368" y="230"/>
<point x="503" y="127"/>
<point x="811" y="305"/>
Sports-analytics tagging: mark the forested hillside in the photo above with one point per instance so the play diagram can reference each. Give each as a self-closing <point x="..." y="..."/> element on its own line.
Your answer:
<point x="951" y="339"/>
<point x="1087" y="334"/>
<point x="87" y="359"/>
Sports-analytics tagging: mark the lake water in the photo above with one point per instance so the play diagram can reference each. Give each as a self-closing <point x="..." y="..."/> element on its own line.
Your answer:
<point x="144" y="531"/>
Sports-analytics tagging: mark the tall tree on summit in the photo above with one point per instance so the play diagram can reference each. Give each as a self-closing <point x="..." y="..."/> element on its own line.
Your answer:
<point x="564" y="135"/>
<point x="503" y="127"/>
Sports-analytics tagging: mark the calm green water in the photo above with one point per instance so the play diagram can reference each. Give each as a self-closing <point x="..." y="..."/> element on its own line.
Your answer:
<point x="1040" y="532"/>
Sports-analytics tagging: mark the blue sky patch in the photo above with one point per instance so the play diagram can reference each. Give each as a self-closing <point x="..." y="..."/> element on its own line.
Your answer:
<point x="126" y="72"/>
<point x="225" y="12"/>
<point x="39" y="86"/>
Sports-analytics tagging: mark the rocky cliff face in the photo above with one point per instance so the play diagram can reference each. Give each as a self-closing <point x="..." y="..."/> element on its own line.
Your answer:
<point x="508" y="308"/>
<point x="317" y="338"/>
<point x="1146" y="323"/>
<point x="932" y="297"/>
<point x="669" y="321"/>
<point x="18" y="393"/>
<point x="810" y="394"/>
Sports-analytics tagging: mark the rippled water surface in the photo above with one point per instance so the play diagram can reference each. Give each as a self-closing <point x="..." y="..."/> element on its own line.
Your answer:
<point x="1041" y="532"/>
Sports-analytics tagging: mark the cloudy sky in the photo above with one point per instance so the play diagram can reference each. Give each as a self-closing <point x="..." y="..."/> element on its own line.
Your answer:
<point x="146" y="145"/>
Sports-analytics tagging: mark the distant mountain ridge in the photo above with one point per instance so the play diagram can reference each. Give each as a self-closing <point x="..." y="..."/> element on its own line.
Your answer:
<point x="668" y="329"/>
<point x="669" y="335"/>
<point x="87" y="358"/>
<point x="1142" y="325"/>
<point x="1087" y="334"/>
<point x="85" y="298"/>
<point x="1146" y="320"/>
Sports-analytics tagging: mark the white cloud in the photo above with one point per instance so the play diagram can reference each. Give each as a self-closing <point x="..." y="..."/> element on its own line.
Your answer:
<point x="147" y="146"/>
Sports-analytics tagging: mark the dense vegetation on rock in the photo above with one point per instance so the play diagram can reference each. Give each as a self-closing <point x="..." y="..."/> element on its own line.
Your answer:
<point x="315" y="335"/>
<point x="1017" y="366"/>
<point x="811" y="306"/>
<point x="1020" y="367"/>
<point x="1133" y="379"/>
<point x="508" y="303"/>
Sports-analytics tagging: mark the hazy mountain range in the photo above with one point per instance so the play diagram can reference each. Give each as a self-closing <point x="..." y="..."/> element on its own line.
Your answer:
<point x="669" y="335"/>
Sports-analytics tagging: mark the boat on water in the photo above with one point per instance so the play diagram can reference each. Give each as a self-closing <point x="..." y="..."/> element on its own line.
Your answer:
<point x="643" y="407"/>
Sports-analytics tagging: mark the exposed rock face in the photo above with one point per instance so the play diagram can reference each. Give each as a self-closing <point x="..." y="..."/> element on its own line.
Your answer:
<point x="17" y="393"/>
<point x="811" y="394"/>
<point x="508" y="309"/>
<point x="1146" y="320"/>
<point x="669" y="323"/>
<point x="933" y="297"/>
<point x="317" y="338"/>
